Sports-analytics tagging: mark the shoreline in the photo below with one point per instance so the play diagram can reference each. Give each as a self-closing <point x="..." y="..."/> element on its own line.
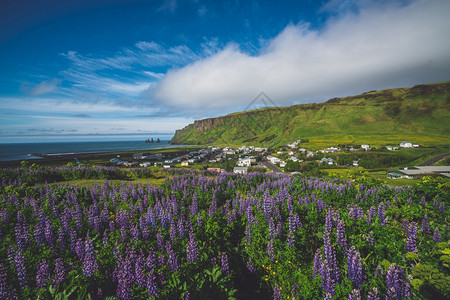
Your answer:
<point x="91" y="157"/>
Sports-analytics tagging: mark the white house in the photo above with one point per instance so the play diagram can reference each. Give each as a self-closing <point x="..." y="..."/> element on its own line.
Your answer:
<point x="282" y="163"/>
<point x="240" y="170"/>
<point x="327" y="160"/>
<point x="365" y="147"/>
<point x="406" y="144"/>
<point x="145" y="164"/>
<point x="244" y="162"/>
<point x="293" y="158"/>
<point x="273" y="159"/>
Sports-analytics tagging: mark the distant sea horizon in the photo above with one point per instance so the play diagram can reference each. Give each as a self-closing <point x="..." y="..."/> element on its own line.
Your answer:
<point x="25" y="151"/>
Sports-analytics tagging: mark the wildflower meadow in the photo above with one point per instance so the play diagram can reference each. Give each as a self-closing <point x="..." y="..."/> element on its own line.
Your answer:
<point x="207" y="235"/>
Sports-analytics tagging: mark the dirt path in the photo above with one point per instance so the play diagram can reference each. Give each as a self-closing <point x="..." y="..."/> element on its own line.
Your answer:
<point x="434" y="159"/>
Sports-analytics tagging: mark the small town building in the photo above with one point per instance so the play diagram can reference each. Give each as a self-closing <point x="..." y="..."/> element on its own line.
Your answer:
<point x="420" y="171"/>
<point x="406" y="144"/>
<point x="240" y="170"/>
<point x="327" y="160"/>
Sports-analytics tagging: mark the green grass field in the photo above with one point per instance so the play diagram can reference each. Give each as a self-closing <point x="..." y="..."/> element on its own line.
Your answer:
<point x="419" y="115"/>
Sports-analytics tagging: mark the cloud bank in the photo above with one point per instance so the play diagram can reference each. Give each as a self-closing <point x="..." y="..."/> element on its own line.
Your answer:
<point x="370" y="48"/>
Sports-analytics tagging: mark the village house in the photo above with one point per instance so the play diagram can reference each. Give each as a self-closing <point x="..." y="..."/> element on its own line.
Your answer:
<point x="417" y="172"/>
<point x="240" y="170"/>
<point x="244" y="162"/>
<point x="214" y="170"/>
<point x="327" y="160"/>
<point x="406" y="144"/>
<point x="185" y="163"/>
<point x="391" y="148"/>
<point x="365" y="147"/>
<point x="145" y="164"/>
<point x="273" y="159"/>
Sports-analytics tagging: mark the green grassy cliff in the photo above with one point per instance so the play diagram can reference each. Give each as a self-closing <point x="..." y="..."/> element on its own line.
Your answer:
<point x="420" y="114"/>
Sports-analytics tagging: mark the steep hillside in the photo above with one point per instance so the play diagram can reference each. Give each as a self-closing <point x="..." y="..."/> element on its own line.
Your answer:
<point x="420" y="114"/>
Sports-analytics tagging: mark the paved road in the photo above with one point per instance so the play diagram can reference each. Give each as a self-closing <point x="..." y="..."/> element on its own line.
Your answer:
<point x="434" y="159"/>
<point x="271" y="166"/>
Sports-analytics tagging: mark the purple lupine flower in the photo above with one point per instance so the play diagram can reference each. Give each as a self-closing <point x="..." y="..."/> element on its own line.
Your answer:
<point x="328" y="221"/>
<point x="373" y="294"/>
<point x="442" y="208"/>
<point x="90" y="265"/>
<point x="173" y="262"/>
<point x="123" y="234"/>
<point x="411" y="240"/>
<point x="160" y="240"/>
<point x="369" y="238"/>
<point x="139" y="274"/>
<point x="355" y="212"/>
<point x="150" y="263"/>
<point x="79" y="249"/>
<point x="355" y="268"/>
<point x="39" y="234"/>
<point x="224" y="262"/>
<point x="11" y="253"/>
<point x="42" y="274"/>
<point x="290" y="239"/>
<point x="410" y="201"/>
<point x="272" y="229"/>
<point x="152" y="287"/>
<point x="354" y="295"/>
<point x="49" y="234"/>
<point x="425" y="225"/>
<point x="422" y="201"/>
<point x="317" y="263"/>
<point x="135" y="233"/>
<point x="435" y="203"/>
<point x="248" y="233"/>
<point x="381" y="213"/>
<point x="191" y="249"/>
<point x="397" y="287"/>
<point x="371" y="214"/>
<point x="270" y="252"/>
<point x="436" y="235"/>
<point x="4" y="292"/>
<point x="328" y="282"/>
<point x="199" y="220"/>
<point x="250" y="266"/>
<point x="60" y="271"/>
<point x="341" y="235"/>
<point x="330" y="257"/>
<point x="194" y="205"/>
<point x="276" y="292"/>
<point x="21" y="269"/>
<point x="214" y="261"/>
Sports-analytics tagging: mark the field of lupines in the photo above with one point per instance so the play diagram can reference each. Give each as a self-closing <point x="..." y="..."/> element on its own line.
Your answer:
<point x="202" y="235"/>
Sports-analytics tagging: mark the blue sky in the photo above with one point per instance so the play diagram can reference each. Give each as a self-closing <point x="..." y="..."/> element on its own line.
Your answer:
<point x="116" y="69"/>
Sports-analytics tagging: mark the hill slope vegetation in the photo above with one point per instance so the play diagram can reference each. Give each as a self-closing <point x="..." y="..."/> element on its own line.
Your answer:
<point x="419" y="114"/>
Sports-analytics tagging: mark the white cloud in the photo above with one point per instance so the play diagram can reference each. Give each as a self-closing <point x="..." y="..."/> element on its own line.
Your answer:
<point x="45" y="87"/>
<point x="376" y="47"/>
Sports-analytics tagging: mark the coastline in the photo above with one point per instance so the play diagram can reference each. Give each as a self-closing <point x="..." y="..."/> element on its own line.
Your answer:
<point x="93" y="157"/>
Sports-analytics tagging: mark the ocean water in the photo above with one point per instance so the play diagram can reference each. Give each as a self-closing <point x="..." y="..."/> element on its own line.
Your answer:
<point x="24" y="151"/>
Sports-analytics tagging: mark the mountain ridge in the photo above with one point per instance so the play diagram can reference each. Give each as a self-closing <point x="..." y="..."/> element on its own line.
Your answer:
<point x="385" y="116"/>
